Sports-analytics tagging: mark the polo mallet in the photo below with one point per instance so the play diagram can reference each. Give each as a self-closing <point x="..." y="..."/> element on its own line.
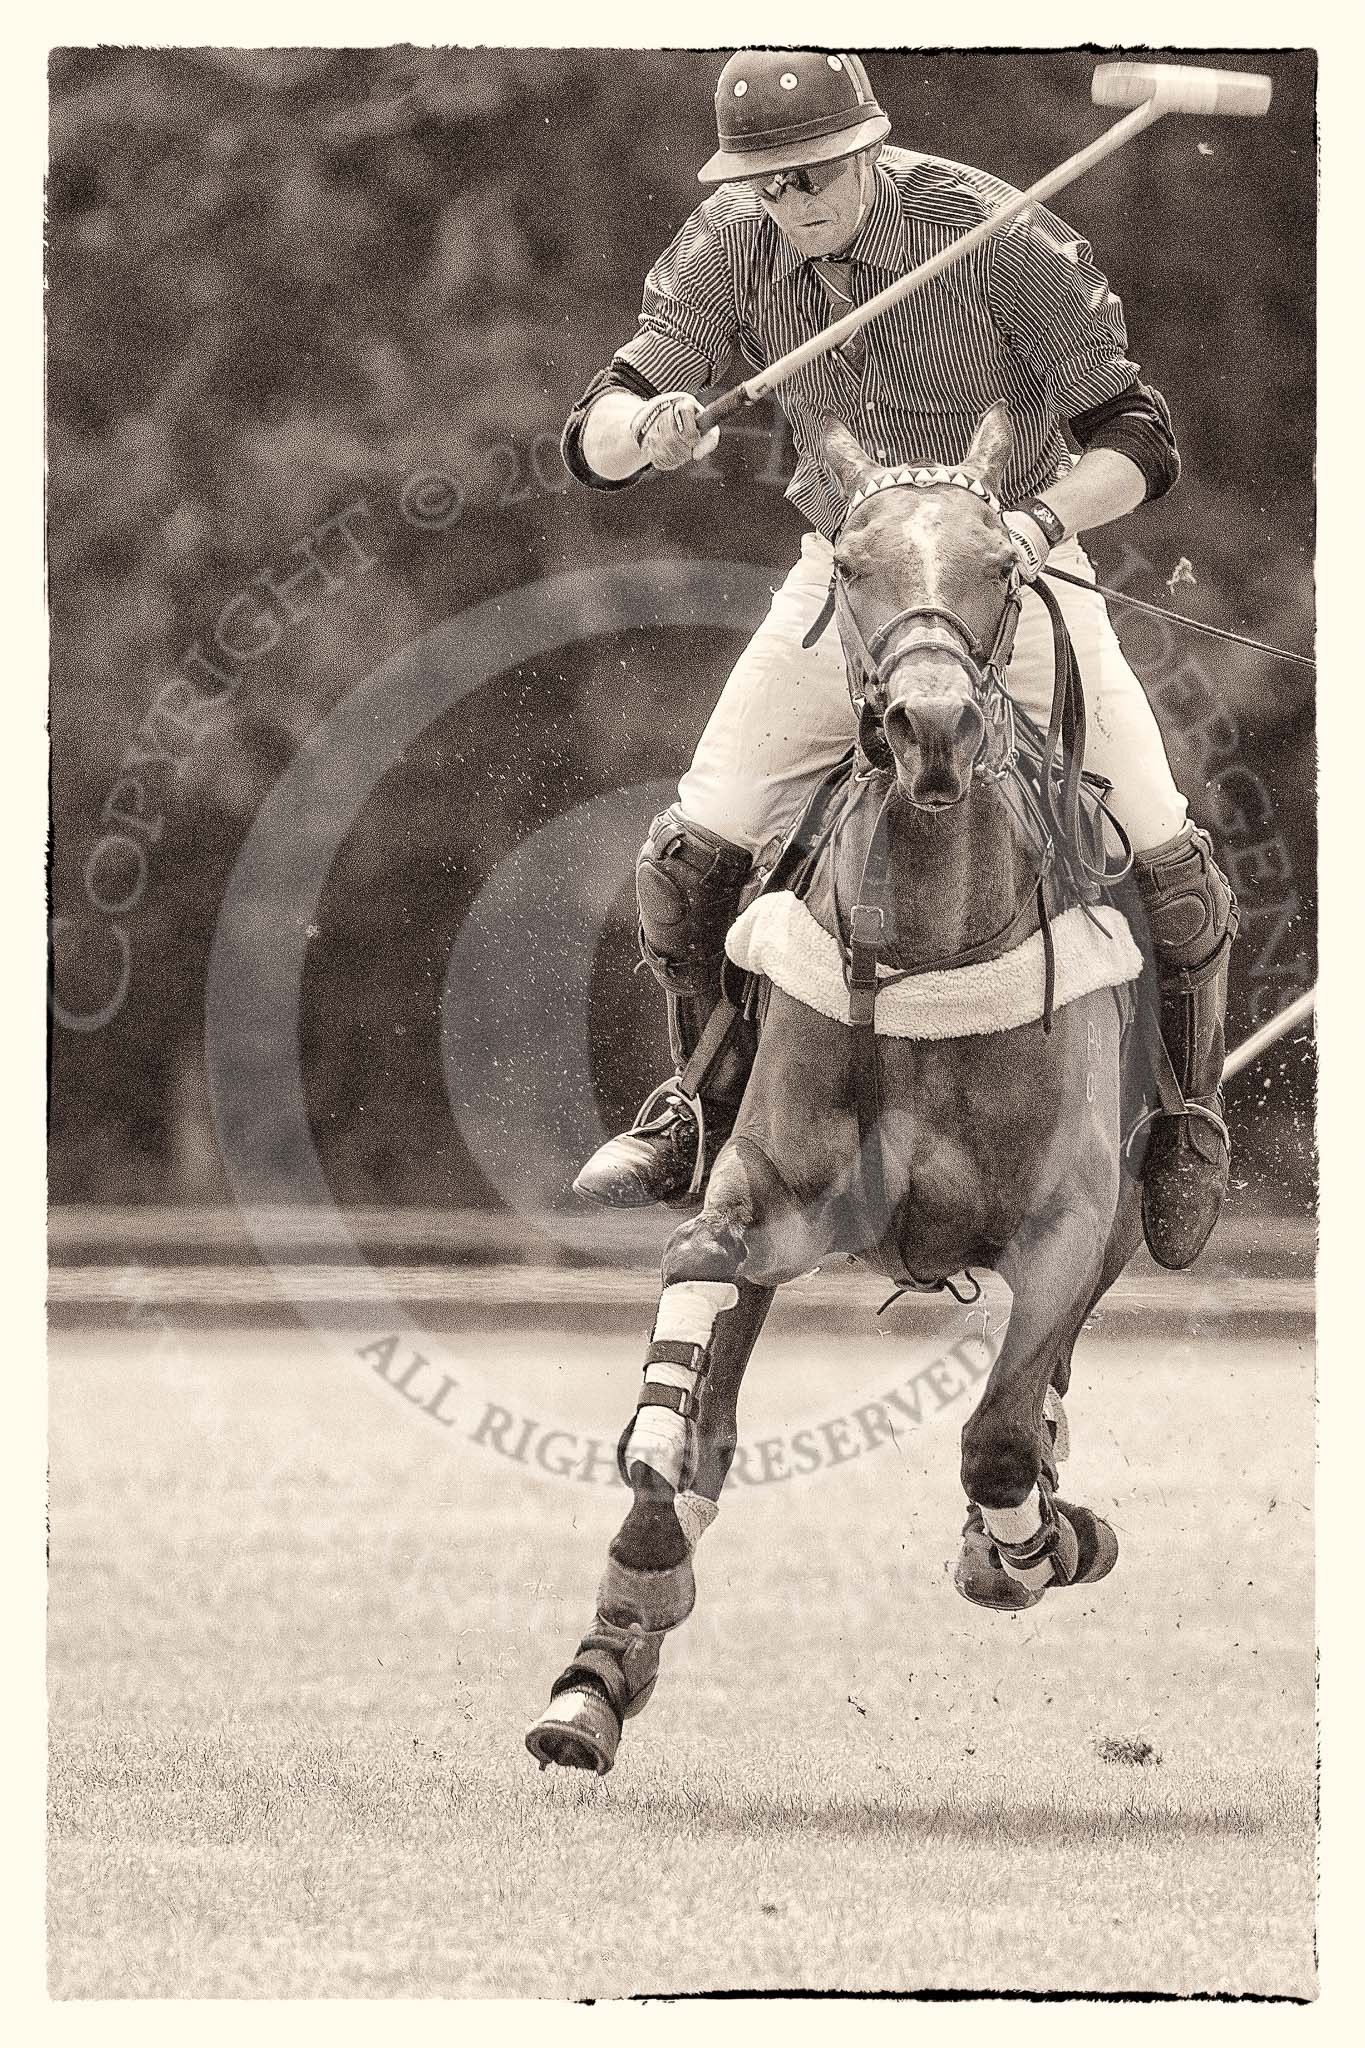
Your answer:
<point x="1151" y="90"/>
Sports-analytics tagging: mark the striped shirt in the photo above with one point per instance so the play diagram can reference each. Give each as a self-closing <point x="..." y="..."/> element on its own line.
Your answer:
<point x="1027" y="317"/>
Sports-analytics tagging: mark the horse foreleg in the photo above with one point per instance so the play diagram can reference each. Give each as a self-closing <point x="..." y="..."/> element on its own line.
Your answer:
<point x="676" y="1460"/>
<point x="1019" y="1538"/>
<point x="675" y="1455"/>
<point x="1125" y="1236"/>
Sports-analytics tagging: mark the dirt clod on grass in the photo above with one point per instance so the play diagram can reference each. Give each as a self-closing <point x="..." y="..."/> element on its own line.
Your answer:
<point x="1125" y="1749"/>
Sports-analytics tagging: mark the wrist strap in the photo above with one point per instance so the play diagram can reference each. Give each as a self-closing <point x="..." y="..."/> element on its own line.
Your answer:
<point x="1045" y="519"/>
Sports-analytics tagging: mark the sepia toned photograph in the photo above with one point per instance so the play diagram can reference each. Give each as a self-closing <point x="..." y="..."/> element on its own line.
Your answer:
<point x="682" y="1160"/>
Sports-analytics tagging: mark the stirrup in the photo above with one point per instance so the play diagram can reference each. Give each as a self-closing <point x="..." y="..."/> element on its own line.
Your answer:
<point x="1159" y="1110"/>
<point x="667" y="1094"/>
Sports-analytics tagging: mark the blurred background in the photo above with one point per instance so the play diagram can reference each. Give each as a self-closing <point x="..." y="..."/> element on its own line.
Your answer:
<point x="314" y="321"/>
<point x="325" y="1525"/>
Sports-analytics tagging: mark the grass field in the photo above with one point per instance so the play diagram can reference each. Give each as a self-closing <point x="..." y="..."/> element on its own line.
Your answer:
<point x="296" y="1636"/>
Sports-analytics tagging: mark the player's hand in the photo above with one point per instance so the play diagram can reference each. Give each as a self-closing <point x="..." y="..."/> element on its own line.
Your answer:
<point x="1031" y="544"/>
<point x="667" y="433"/>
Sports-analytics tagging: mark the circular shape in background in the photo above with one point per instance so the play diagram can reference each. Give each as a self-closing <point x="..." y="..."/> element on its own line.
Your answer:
<point x="256" y="965"/>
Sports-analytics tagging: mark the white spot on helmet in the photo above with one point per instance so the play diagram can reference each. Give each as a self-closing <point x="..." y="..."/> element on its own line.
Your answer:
<point x="788" y="81"/>
<point x="835" y="63"/>
<point x="741" y="87"/>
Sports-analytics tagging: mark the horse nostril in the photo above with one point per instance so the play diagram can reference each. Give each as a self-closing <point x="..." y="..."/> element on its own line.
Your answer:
<point x="952" y="728"/>
<point x="971" y="726"/>
<point x="899" y="725"/>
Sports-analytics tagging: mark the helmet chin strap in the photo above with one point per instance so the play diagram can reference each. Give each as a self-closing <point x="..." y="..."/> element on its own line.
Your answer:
<point x="867" y="163"/>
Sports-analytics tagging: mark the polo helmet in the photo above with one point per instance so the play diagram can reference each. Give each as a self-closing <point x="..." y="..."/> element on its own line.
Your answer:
<point x="779" y="109"/>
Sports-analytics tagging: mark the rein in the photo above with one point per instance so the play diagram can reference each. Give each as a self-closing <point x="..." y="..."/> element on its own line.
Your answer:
<point x="1136" y="604"/>
<point x="1159" y="611"/>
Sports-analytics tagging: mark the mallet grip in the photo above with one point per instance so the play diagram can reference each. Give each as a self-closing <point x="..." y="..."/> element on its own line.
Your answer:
<point x="722" y="408"/>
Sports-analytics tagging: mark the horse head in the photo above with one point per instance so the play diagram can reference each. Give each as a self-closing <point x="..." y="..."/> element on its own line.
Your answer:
<point x="924" y="576"/>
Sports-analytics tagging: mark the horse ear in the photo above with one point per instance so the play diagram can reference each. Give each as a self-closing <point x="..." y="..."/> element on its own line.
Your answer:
<point x="992" y="446"/>
<point x="844" y="455"/>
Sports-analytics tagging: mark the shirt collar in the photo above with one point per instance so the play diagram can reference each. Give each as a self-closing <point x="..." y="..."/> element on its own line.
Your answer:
<point x="880" y="242"/>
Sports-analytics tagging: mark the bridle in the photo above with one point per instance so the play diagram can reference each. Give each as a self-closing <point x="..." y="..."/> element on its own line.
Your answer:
<point x="985" y="673"/>
<point x="941" y="632"/>
<point x="1049" y="813"/>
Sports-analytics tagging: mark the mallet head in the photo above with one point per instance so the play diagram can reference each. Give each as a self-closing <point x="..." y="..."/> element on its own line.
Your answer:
<point x="1180" y="88"/>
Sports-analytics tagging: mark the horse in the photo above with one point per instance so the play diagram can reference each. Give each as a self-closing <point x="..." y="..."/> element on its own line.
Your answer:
<point x="990" y="1135"/>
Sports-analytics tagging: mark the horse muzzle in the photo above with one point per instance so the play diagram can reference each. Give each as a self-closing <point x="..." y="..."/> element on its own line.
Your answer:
<point x="936" y="743"/>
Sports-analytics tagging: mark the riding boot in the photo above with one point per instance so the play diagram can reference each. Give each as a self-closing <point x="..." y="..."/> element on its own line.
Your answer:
<point x="688" y="884"/>
<point x="1192" y="915"/>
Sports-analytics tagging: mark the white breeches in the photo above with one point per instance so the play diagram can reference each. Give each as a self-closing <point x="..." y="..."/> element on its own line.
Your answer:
<point x="784" y="717"/>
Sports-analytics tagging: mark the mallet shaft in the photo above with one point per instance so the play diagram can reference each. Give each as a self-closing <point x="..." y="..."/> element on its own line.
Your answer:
<point x="1295" y="1013"/>
<point x="757" y="387"/>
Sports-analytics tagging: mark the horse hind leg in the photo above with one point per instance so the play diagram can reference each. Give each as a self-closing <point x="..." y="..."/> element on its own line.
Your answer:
<point x="675" y="1455"/>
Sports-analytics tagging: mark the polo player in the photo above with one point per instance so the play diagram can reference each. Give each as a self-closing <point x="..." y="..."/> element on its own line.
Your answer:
<point x="815" y="212"/>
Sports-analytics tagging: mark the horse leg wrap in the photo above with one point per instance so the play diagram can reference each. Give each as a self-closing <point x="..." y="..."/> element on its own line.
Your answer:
<point x="662" y="1436"/>
<point x="657" y="1600"/>
<point x="1056" y="1436"/>
<point x="695" y="1515"/>
<point x="617" y="1663"/>
<point x="1036" y="1544"/>
<point x="610" y="1677"/>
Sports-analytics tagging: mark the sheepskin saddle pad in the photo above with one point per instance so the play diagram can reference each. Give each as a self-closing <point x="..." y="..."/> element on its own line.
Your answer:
<point x="777" y="937"/>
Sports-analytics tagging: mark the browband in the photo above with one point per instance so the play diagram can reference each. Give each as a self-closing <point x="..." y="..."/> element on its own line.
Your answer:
<point x="894" y="479"/>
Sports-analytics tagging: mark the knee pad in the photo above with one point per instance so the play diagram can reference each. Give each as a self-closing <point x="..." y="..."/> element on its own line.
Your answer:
<point x="688" y="883"/>
<point x="1191" y="910"/>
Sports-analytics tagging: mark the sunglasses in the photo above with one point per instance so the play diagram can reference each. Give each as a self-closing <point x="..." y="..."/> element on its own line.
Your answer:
<point x="809" y="178"/>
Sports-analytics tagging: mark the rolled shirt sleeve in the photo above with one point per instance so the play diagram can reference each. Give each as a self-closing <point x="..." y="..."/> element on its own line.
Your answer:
<point x="618" y="377"/>
<point x="1137" y="424"/>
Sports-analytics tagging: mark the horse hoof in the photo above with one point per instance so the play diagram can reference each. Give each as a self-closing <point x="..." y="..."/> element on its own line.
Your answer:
<point x="578" y="1730"/>
<point x="1097" y="1547"/>
<point x="981" y="1578"/>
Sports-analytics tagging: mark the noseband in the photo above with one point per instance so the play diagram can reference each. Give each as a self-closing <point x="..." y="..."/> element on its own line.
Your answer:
<point x="942" y="632"/>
